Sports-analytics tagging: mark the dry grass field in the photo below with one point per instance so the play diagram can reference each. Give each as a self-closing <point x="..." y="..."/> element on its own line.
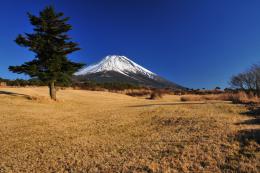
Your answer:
<point x="88" y="131"/>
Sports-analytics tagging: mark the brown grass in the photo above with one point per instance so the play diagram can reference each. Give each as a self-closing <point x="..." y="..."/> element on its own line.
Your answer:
<point x="108" y="132"/>
<point x="240" y="97"/>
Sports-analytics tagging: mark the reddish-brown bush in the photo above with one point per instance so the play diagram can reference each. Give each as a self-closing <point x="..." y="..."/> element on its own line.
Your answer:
<point x="138" y="93"/>
<point x="240" y="97"/>
<point x="156" y="94"/>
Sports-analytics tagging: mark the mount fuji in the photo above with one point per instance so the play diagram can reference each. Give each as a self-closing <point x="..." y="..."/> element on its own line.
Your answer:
<point x="115" y="68"/>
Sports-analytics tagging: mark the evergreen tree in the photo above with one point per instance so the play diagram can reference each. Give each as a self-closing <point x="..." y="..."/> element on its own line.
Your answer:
<point x="51" y="45"/>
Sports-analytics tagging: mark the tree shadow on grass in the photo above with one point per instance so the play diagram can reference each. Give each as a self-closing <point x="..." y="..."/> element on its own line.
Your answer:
<point x="244" y="136"/>
<point x="14" y="94"/>
<point x="253" y="112"/>
<point x="254" y="121"/>
<point x="250" y="134"/>
<point x="247" y="157"/>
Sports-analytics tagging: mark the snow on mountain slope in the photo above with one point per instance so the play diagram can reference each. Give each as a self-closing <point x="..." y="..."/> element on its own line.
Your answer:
<point x="116" y="63"/>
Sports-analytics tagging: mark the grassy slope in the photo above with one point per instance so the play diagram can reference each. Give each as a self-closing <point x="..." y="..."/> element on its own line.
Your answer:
<point x="106" y="132"/>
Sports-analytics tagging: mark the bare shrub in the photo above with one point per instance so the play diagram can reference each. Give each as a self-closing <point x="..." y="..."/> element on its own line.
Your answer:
<point x="244" y="98"/>
<point x="204" y="97"/>
<point x="240" y="97"/>
<point x="191" y="98"/>
<point x="248" y="80"/>
<point x="156" y="94"/>
<point x="138" y="93"/>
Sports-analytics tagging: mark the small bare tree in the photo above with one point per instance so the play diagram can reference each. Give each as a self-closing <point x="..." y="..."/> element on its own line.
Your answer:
<point x="248" y="80"/>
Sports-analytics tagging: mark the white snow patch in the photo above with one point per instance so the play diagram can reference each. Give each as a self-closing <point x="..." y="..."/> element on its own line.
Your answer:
<point x="116" y="63"/>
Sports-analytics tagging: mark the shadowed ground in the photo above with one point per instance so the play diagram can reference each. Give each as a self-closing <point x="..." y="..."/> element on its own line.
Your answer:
<point x="12" y="93"/>
<point x="251" y="134"/>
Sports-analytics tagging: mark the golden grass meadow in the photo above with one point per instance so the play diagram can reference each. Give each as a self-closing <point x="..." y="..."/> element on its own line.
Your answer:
<point x="95" y="131"/>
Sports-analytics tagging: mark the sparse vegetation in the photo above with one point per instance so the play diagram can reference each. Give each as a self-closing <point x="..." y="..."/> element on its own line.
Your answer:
<point x="239" y="97"/>
<point x="111" y="132"/>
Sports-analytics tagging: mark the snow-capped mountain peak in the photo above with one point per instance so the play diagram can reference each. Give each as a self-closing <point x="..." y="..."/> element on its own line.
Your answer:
<point x="120" y="64"/>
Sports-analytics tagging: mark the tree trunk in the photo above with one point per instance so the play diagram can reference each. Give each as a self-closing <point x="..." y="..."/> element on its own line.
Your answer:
<point x="52" y="90"/>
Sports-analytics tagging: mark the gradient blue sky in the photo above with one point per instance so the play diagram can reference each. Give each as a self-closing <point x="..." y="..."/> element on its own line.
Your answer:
<point x="197" y="44"/>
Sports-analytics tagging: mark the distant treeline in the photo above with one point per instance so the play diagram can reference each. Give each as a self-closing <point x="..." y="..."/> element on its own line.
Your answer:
<point x="116" y="86"/>
<point x="31" y="82"/>
<point x="22" y="82"/>
<point x="90" y="85"/>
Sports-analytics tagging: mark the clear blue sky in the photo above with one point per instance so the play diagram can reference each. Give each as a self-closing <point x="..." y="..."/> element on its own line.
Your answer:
<point x="193" y="43"/>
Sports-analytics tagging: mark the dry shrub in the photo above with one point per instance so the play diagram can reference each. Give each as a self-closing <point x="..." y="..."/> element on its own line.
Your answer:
<point x="191" y="98"/>
<point x="152" y="94"/>
<point x="240" y="97"/>
<point x="90" y="88"/>
<point x="138" y="93"/>
<point x="244" y="98"/>
<point x="39" y="98"/>
<point x="157" y="94"/>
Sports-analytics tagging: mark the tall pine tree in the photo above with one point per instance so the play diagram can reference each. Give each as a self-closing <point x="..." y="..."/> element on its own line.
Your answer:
<point x="51" y="45"/>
